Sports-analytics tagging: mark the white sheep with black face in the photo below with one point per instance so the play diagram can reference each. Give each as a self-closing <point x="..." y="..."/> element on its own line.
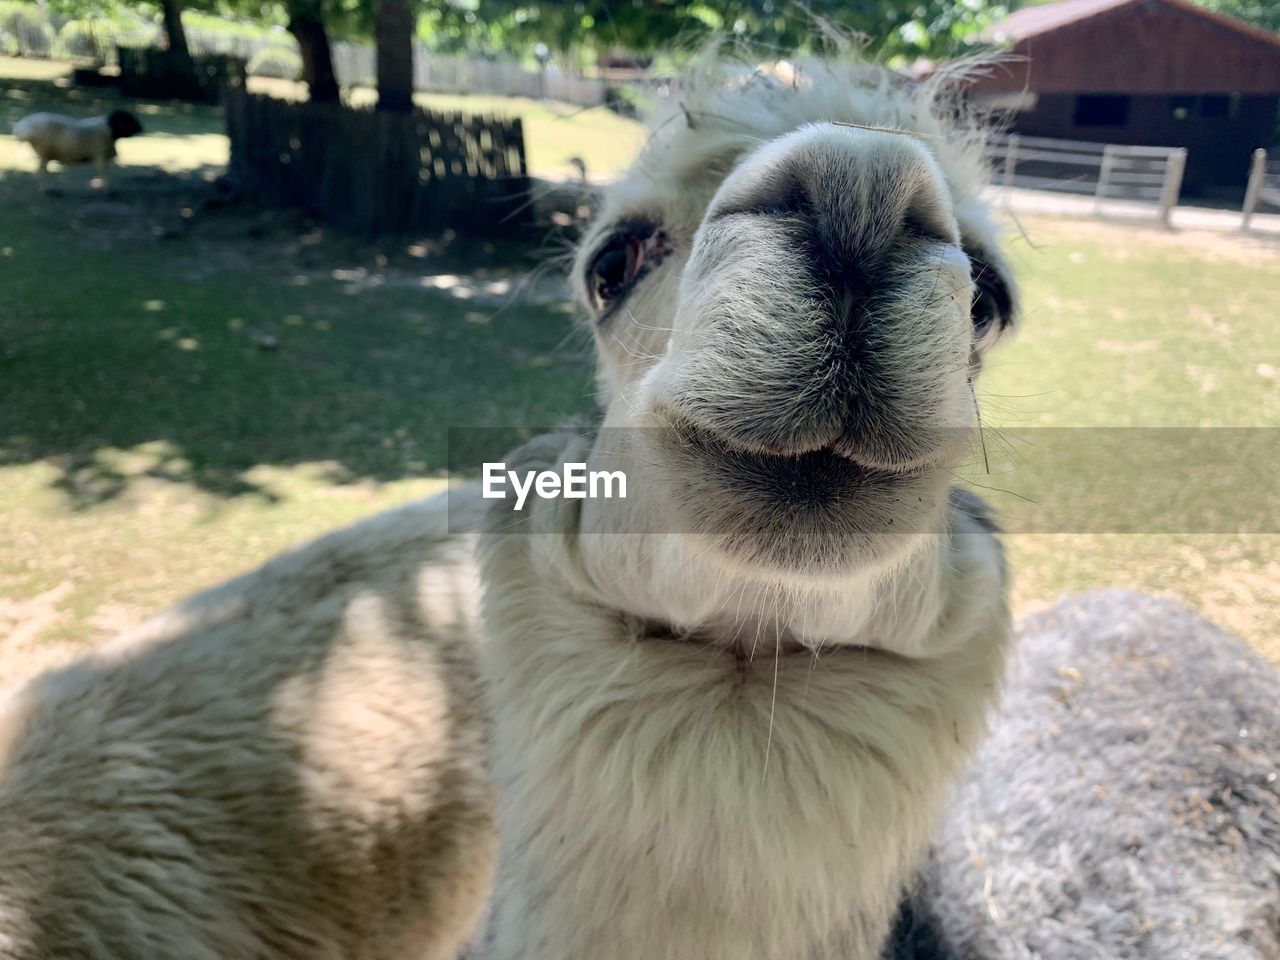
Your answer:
<point x="70" y="140"/>
<point x="728" y="707"/>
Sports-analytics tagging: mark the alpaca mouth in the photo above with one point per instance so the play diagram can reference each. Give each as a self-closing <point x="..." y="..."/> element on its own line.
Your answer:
<point x="818" y="511"/>
<point x="824" y="476"/>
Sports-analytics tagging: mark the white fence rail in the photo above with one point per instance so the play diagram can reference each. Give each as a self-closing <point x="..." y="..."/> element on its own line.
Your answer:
<point x="354" y="64"/>
<point x="1263" y="190"/>
<point x="1105" y="171"/>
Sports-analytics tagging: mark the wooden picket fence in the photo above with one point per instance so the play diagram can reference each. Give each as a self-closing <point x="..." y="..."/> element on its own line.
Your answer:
<point x="379" y="172"/>
<point x="153" y="74"/>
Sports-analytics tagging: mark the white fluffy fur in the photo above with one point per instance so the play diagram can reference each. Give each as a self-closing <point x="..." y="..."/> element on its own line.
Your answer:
<point x="664" y="797"/>
<point x="287" y="767"/>
<point x="705" y="752"/>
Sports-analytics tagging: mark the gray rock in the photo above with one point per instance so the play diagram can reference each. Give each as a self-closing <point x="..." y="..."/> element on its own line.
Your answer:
<point x="1126" y="805"/>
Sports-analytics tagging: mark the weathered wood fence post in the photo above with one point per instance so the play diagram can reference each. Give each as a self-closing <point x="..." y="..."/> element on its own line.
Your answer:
<point x="1257" y="173"/>
<point x="1104" y="179"/>
<point x="380" y="172"/>
<point x="1010" y="160"/>
<point x="1172" y="187"/>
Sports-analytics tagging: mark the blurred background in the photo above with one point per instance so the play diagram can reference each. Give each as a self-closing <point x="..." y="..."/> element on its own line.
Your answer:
<point x="341" y="235"/>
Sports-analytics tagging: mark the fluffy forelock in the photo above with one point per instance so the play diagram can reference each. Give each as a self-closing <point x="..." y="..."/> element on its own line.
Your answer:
<point x="727" y="103"/>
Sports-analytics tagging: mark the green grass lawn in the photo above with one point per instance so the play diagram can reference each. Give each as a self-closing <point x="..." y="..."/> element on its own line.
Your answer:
<point x="179" y="403"/>
<point x="174" y="410"/>
<point x="183" y="393"/>
<point x="1136" y="327"/>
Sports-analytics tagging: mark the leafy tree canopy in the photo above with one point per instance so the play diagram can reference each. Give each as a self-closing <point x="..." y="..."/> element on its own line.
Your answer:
<point x="582" y="29"/>
<point x="894" y="27"/>
<point x="1261" y="13"/>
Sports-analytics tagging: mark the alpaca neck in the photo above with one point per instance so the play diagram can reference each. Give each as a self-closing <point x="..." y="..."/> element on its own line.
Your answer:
<point x="671" y="799"/>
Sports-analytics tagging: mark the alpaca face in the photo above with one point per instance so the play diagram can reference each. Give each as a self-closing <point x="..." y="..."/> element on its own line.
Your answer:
<point x="790" y="310"/>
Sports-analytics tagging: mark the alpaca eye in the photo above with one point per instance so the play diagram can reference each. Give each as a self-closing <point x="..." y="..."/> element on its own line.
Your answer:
<point x="632" y="249"/>
<point x="984" y="313"/>
<point x="614" y="269"/>
<point x="992" y="304"/>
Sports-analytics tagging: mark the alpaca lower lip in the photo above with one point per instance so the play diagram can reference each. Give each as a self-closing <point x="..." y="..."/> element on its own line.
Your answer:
<point x="834" y="454"/>
<point x="812" y="475"/>
<point x="718" y="443"/>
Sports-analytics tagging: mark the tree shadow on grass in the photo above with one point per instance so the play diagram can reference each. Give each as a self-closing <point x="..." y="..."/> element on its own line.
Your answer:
<point x="195" y="358"/>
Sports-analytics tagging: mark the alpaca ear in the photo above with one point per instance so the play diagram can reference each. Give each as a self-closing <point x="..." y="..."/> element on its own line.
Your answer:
<point x="994" y="307"/>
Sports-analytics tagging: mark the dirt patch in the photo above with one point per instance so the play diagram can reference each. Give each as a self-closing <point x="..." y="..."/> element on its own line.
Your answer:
<point x="22" y="625"/>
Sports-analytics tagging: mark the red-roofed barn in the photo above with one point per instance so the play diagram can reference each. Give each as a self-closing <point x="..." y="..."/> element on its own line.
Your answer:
<point x="1154" y="72"/>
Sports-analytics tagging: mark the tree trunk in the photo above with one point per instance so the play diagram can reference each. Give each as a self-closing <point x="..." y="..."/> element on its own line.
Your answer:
<point x="393" y="34"/>
<point x="317" y="59"/>
<point x="174" y="31"/>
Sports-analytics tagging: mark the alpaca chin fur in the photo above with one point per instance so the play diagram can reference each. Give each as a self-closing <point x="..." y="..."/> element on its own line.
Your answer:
<point x="670" y="798"/>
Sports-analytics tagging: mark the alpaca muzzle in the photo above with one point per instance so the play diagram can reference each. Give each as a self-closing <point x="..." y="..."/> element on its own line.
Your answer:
<point x="825" y="306"/>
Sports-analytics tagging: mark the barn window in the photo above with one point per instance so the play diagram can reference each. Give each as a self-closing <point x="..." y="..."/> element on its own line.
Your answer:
<point x="1102" y="110"/>
<point x="1215" y="105"/>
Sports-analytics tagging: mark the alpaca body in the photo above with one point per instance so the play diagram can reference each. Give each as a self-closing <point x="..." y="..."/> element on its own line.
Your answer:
<point x="728" y="707"/>
<point x="287" y="767"/>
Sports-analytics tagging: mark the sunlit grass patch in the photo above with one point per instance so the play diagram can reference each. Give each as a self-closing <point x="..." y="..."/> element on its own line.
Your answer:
<point x="173" y="412"/>
<point x="1128" y="328"/>
<point x="32" y="68"/>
